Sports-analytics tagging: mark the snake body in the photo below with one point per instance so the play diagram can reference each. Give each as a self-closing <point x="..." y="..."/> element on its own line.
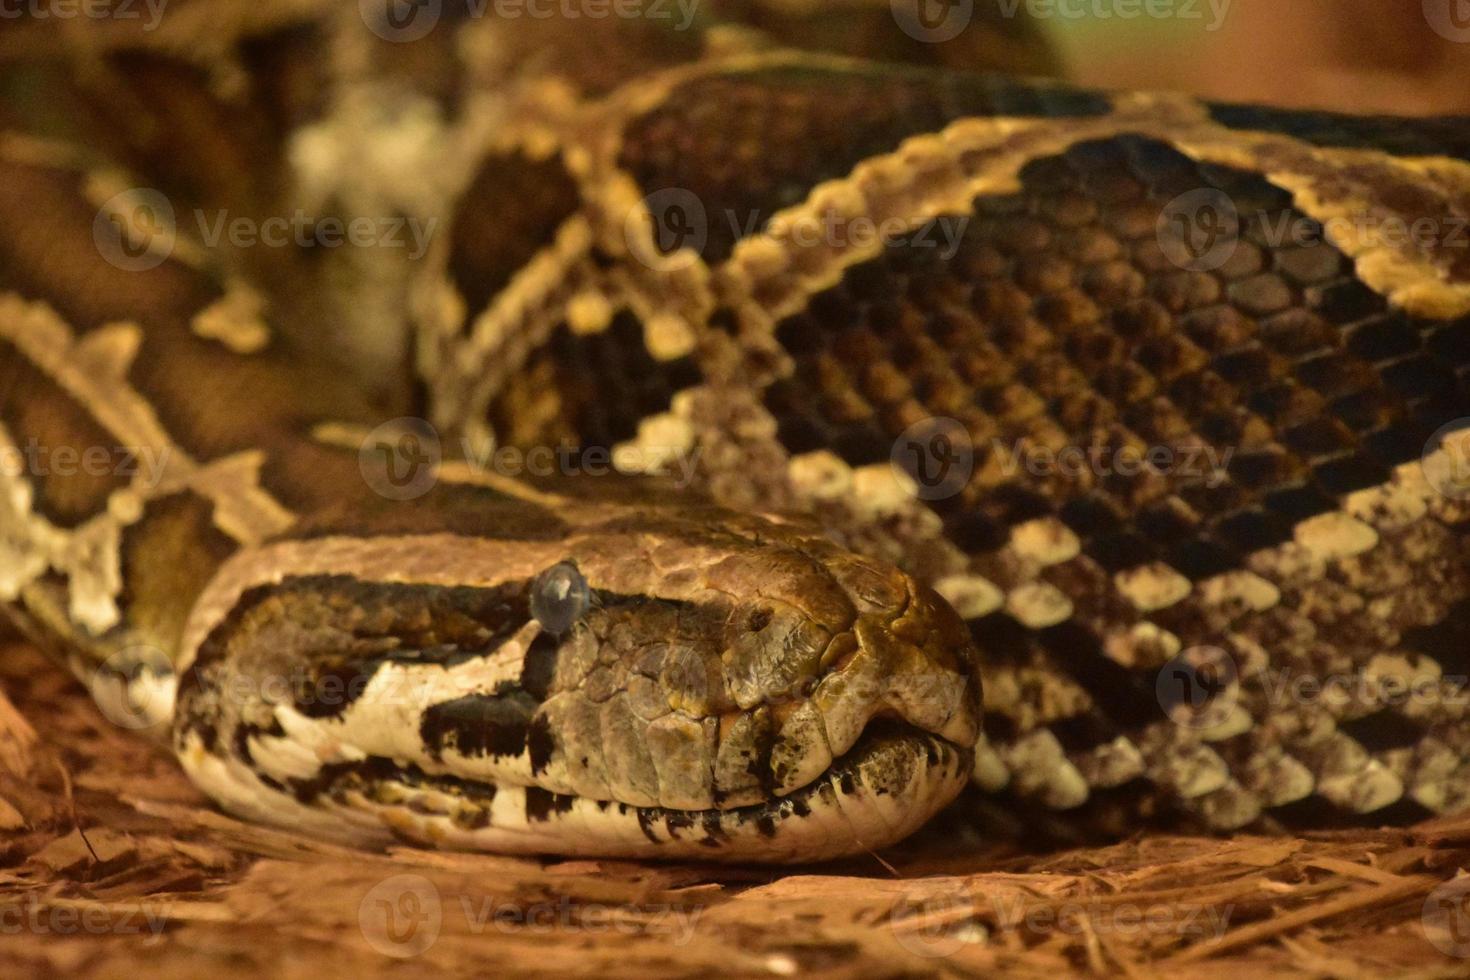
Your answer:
<point x="1142" y="409"/>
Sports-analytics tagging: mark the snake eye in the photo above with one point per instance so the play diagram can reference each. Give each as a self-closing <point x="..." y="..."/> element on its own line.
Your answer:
<point x="559" y="597"/>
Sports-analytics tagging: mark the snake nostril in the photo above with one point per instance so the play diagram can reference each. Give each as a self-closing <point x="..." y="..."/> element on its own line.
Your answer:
<point x="759" y="619"/>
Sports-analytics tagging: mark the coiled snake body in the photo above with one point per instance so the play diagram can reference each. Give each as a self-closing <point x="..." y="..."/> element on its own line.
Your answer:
<point x="1154" y="394"/>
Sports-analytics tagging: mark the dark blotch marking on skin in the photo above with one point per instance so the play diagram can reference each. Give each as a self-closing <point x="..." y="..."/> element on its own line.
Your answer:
<point x="677" y="820"/>
<point x="514" y="206"/>
<point x="335" y="688"/>
<point x="242" y="745"/>
<point x="539" y="668"/>
<point x="714" y="831"/>
<point x="417" y="624"/>
<point x="463" y="509"/>
<point x="1383" y="730"/>
<point x="766" y="824"/>
<point x="758" y="765"/>
<point x="541" y="743"/>
<point x="376" y="769"/>
<point x="480" y="724"/>
<point x="471" y="818"/>
<point x="37" y="411"/>
<point x="646" y="816"/>
<point x="541" y="804"/>
<point x="208" y="735"/>
<point x="245" y="731"/>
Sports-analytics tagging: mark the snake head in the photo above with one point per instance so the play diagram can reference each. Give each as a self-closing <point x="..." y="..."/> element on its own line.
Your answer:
<point x="675" y="681"/>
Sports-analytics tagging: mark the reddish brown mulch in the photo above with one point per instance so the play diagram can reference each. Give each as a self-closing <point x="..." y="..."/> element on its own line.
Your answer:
<point x="112" y="865"/>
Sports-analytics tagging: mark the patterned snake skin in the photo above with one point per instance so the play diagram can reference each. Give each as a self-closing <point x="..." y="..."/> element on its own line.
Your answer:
<point x="1162" y="397"/>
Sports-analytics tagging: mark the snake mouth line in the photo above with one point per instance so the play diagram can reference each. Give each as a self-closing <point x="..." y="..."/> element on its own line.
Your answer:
<point x="888" y="784"/>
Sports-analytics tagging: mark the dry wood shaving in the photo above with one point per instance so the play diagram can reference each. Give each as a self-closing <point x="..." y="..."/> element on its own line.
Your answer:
<point x="112" y="865"/>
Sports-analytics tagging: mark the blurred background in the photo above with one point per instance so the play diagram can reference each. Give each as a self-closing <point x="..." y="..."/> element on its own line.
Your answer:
<point x="1395" y="56"/>
<point x="1366" y="56"/>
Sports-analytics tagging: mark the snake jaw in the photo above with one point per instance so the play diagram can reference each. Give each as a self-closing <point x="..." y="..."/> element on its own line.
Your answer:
<point x="914" y="664"/>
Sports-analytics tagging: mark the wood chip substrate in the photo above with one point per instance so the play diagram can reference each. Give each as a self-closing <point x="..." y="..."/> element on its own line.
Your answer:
<point x="112" y="865"/>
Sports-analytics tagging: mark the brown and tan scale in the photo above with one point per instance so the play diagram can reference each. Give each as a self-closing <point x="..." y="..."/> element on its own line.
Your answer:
<point x="1315" y="374"/>
<point x="1071" y="326"/>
